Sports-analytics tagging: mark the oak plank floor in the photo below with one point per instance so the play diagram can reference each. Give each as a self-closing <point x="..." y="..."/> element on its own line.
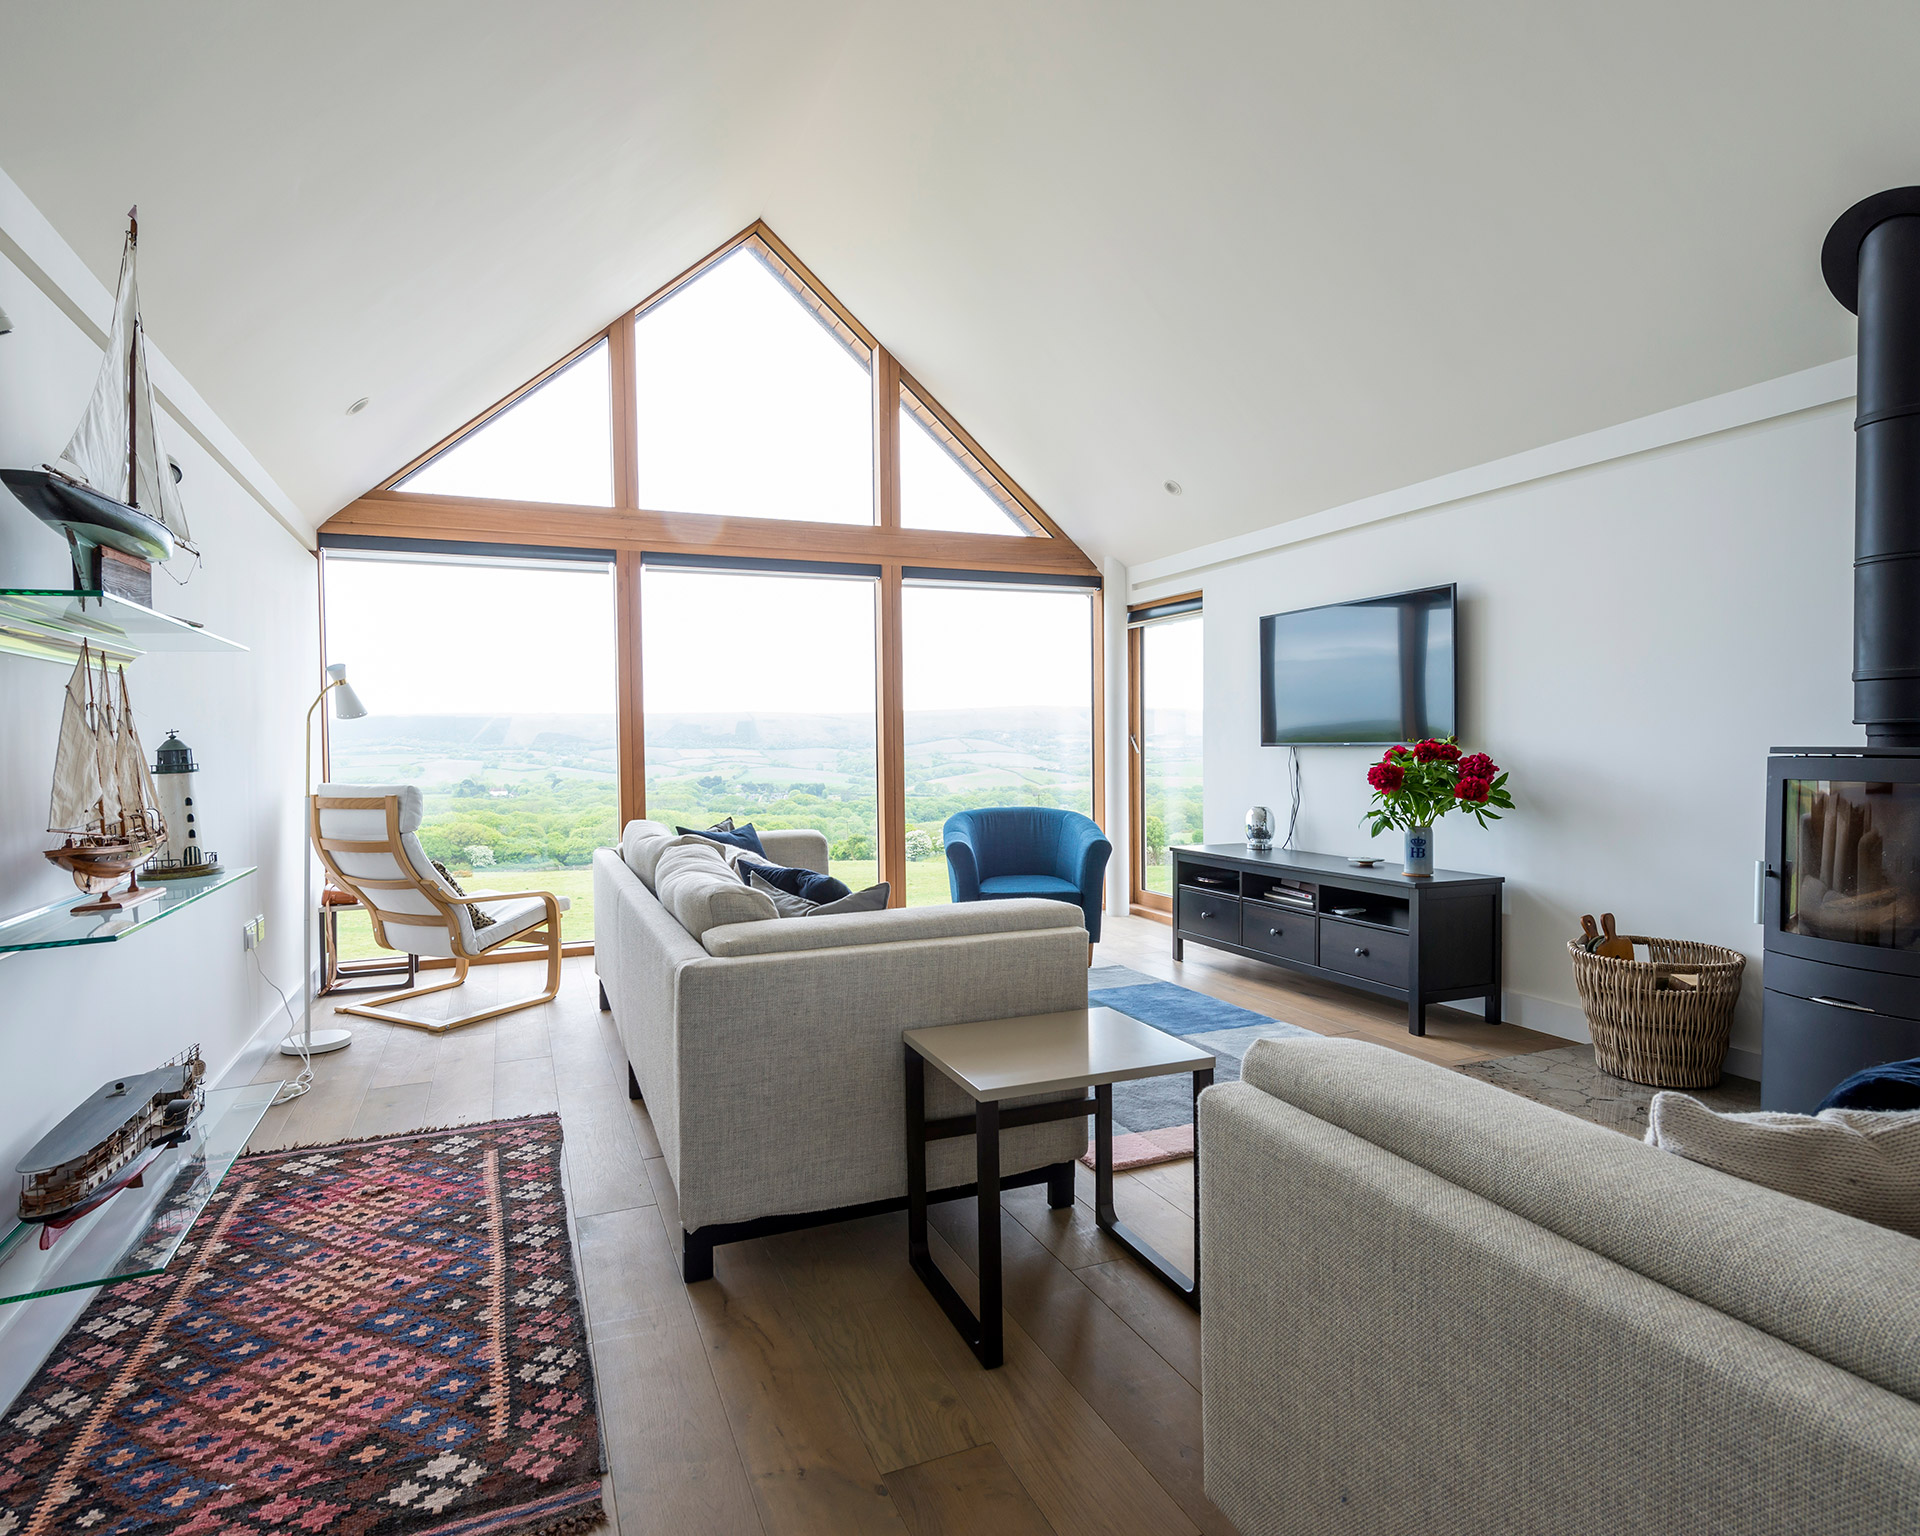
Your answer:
<point x="813" y="1385"/>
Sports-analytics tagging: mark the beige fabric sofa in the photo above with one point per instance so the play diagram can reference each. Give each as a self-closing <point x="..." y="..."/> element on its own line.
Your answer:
<point x="1434" y="1307"/>
<point x="768" y="1051"/>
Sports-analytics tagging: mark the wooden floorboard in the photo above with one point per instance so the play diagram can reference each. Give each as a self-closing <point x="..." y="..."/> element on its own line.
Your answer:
<point x="968" y="1493"/>
<point x="813" y="1384"/>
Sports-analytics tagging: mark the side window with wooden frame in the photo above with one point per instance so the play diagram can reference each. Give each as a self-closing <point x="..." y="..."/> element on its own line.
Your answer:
<point x="1165" y="714"/>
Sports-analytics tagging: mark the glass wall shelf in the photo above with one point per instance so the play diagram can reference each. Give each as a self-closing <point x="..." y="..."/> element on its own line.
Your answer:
<point x="137" y="1231"/>
<point x="55" y="927"/>
<point x="51" y="622"/>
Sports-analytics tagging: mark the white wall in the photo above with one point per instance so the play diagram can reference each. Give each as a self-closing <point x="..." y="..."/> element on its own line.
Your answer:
<point x="71" y="1019"/>
<point x="1637" y="631"/>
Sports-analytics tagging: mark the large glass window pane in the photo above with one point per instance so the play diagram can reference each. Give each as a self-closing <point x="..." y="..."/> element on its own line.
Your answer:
<point x="1170" y="744"/>
<point x="759" y="692"/>
<point x="942" y="485"/>
<point x="490" y="684"/>
<point x="554" y="443"/>
<point x="999" y="710"/>
<point x="752" y="401"/>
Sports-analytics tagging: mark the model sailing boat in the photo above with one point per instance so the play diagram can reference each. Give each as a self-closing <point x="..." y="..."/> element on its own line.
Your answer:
<point x="114" y="485"/>
<point x="104" y="799"/>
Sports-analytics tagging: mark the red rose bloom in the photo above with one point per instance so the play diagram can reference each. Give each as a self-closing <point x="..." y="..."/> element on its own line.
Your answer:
<point x="1426" y="751"/>
<point x="1393" y="754"/>
<point x="1479" y="766"/>
<point x="1386" y="777"/>
<point x="1446" y="752"/>
<point x="1473" y="791"/>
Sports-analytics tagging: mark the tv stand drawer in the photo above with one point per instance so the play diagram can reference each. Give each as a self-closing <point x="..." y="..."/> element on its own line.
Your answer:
<point x="1278" y="931"/>
<point x="1206" y="915"/>
<point x="1375" y="953"/>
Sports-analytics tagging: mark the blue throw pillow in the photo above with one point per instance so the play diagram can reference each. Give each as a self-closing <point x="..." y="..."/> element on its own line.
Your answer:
<point x="1893" y="1085"/>
<point x="804" y="883"/>
<point x="737" y="837"/>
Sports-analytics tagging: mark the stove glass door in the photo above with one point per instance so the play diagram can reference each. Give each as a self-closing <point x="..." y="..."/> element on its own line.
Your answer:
<point x="1851" y="862"/>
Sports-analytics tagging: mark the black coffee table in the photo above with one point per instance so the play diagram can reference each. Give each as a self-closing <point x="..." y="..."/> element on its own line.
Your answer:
<point x="1000" y="1059"/>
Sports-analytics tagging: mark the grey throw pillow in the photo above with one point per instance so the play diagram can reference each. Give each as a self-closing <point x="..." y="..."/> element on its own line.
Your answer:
<point x="872" y="899"/>
<point x="1860" y="1162"/>
<point x="784" y="902"/>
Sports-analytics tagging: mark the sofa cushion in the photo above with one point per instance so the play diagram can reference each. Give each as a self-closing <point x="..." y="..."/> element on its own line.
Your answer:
<point x="1826" y="1283"/>
<point x="694" y="883"/>
<point x="890" y="926"/>
<point x="1051" y="887"/>
<point x="1861" y="1162"/>
<point x="643" y="854"/>
<point x="637" y="833"/>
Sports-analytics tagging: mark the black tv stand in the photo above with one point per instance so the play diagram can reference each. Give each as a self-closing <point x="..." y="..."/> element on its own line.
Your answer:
<point x="1418" y="940"/>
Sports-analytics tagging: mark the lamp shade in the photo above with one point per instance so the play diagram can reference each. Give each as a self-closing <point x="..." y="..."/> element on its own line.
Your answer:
<point x="346" y="703"/>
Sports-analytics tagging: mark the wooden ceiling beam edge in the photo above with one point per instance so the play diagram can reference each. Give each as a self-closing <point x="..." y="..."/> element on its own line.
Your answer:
<point x="488" y="522"/>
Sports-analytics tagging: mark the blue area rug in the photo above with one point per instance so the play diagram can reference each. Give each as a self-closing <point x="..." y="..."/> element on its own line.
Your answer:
<point x="1155" y="1115"/>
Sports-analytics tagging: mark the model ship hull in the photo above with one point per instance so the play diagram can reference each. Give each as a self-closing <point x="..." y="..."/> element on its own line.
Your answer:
<point x="97" y="865"/>
<point x="88" y="516"/>
<point x="102" y="1140"/>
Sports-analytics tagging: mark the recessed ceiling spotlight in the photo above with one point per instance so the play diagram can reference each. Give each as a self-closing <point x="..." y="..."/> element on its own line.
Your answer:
<point x="358" y="406"/>
<point x="1173" y="487"/>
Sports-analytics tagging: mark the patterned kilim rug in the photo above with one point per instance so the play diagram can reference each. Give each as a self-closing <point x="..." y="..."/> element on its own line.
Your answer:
<point x="381" y="1338"/>
<point x="1153" y="1117"/>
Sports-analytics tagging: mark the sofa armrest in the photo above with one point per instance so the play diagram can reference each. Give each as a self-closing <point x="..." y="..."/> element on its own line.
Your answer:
<point x="892" y="926"/>
<point x="799" y="848"/>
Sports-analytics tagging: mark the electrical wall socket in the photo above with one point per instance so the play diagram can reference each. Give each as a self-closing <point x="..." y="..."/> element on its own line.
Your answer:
<point x="253" y="932"/>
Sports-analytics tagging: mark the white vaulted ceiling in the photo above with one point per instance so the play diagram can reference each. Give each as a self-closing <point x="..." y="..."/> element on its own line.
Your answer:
<point x="1286" y="254"/>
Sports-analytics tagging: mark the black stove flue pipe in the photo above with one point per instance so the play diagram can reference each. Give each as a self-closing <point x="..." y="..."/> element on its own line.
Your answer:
<point x="1871" y="261"/>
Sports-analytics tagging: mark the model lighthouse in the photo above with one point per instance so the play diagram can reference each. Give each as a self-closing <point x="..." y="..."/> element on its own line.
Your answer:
<point x="182" y="854"/>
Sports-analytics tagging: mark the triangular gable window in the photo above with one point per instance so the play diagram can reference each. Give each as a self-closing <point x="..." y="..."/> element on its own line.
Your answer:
<point x="945" y="487"/>
<point x="555" y="443"/>
<point x="752" y="398"/>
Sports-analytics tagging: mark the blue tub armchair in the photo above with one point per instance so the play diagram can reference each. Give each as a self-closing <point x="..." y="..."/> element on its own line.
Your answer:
<point x="1028" y="850"/>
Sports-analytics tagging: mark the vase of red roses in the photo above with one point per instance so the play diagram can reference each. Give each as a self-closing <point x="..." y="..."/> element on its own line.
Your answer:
<point x="1413" y="787"/>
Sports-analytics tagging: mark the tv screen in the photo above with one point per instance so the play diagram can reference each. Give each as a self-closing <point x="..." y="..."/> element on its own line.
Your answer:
<point x="1363" y="674"/>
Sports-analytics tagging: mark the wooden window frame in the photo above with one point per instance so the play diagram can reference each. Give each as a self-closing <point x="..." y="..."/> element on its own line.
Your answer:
<point x="1142" y="902"/>
<point x="631" y="531"/>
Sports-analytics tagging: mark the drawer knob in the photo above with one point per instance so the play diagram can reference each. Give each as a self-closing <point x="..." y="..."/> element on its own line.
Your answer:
<point x="1274" y="931"/>
<point x="1360" y="952"/>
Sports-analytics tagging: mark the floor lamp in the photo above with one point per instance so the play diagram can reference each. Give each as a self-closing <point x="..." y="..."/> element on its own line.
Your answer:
<point x="346" y="706"/>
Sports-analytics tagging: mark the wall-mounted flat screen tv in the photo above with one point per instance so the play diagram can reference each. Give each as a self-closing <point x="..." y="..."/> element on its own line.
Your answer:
<point x="1363" y="674"/>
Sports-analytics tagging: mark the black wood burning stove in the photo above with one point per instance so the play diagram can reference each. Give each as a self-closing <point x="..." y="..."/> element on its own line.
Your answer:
<point x="1842" y="892"/>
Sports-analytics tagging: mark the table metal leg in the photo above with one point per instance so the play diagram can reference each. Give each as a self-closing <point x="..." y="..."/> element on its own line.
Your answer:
<point x="984" y="1334"/>
<point x="1109" y="1218"/>
<point x="918" y="1254"/>
<point x="986" y="1152"/>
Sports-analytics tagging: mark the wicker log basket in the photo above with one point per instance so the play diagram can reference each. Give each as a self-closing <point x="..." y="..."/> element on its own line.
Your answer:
<point x="1663" y="1036"/>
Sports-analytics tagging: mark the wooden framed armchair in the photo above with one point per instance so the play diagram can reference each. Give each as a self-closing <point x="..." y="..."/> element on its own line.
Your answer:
<point x="368" y="838"/>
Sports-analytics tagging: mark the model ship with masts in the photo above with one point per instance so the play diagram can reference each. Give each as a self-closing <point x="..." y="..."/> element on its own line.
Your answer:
<point x="104" y="801"/>
<point x="114" y="486"/>
<point x="103" y="1146"/>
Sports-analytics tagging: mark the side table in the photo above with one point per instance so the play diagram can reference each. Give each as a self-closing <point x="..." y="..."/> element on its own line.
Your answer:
<point x="1000" y="1059"/>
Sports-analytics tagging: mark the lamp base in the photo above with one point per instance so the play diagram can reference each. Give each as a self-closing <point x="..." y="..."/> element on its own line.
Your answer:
<point x="324" y="1040"/>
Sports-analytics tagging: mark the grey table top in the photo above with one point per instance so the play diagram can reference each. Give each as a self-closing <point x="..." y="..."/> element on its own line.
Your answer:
<point x="1048" y="1052"/>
